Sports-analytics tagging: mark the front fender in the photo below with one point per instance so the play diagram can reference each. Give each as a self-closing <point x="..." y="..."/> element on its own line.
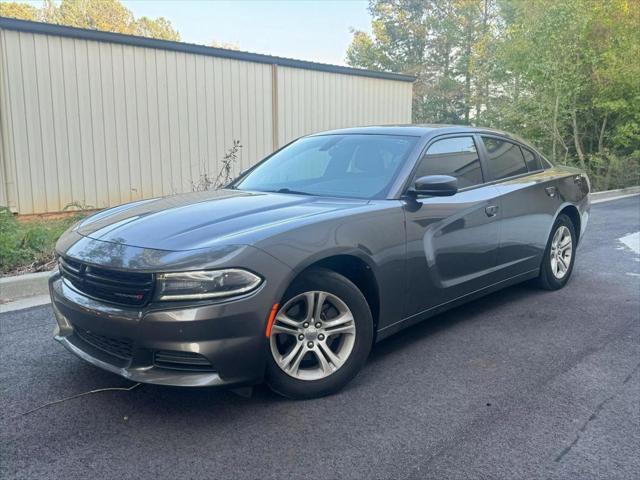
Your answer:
<point x="376" y="237"/>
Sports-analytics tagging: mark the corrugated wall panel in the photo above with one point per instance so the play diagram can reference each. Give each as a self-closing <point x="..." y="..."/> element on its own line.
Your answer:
<point x="6" y="143"/>
<point x="17" y="124"/>
<point x="311" y="101"/>
<point x="102" y="123"/>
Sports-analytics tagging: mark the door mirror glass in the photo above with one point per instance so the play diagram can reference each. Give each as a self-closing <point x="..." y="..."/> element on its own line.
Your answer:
<point x="436" y="185"/>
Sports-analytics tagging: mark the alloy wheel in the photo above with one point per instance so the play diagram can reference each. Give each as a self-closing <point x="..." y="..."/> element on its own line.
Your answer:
<point x="312" y="335"/>
<point x="561" y="252"/>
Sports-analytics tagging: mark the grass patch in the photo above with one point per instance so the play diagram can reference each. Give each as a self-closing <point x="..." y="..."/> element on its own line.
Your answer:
<point x="28" y="245"/>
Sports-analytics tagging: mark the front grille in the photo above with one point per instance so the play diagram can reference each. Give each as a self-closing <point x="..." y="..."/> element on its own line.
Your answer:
<point x="181" y="361"/>
<point x="118" y="347"/>
<point x="114" y="286"/>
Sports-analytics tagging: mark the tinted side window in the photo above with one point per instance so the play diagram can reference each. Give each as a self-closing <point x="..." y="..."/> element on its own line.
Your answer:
<point x="545" y="163"/>
<point x="457" y="157"/>
<point x="505" y="158"/>
<point x="533" y="163"/>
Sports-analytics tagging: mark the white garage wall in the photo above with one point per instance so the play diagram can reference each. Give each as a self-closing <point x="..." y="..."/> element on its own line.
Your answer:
<point x="102" y="123"/>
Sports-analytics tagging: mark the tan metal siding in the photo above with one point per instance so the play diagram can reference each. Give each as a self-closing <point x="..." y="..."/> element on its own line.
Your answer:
<point x="311" y="101"/>
<point x="4" y="140"/>
<point x="103" y="123"/>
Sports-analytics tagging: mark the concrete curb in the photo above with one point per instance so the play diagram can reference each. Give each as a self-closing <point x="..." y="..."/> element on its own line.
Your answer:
<point x="26" y="302"/>
<point x="22" y="286"/>
<point x="621" y="192"/>
<point x="32" y="284"/>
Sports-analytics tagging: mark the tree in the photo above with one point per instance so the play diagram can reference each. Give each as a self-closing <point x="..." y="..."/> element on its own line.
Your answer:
<point x="443" y="42"/>
<point x="156" y="28"/>
<point x="23" y="11"/>
<point x="576" y="63"/>
<point x="225" y="45"/>
<point x="104" y="15"/>
<point x="561" y="73"/>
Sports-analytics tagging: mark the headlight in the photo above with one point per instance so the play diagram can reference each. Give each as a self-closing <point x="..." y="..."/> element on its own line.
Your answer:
<point x="205" y="284"/>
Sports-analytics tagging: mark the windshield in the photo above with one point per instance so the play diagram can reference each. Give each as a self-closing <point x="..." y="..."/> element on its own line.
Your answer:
<point x="359" y="166"/>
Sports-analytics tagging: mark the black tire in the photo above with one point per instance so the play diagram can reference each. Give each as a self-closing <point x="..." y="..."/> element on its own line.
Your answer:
<point x="547" y="279"/>
<point x="320" y="279"/>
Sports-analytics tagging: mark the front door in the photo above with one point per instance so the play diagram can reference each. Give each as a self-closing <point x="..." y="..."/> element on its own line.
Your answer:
<point x="452" y="242"/>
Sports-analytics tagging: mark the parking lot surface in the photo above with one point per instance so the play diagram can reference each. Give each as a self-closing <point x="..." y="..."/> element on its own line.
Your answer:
<point x="520" y="384"/>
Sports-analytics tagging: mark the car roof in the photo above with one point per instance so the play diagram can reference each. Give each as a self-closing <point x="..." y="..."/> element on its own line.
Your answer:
<point x="418" y="130"/>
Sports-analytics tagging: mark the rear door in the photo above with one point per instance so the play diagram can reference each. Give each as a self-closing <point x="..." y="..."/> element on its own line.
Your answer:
<point x="528" y="198"/>
<point x="452" y="242"/>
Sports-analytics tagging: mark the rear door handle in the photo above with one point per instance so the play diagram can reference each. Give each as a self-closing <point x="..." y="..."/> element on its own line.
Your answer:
<point x="551" y="191"/>
<point x="491" y="210"/>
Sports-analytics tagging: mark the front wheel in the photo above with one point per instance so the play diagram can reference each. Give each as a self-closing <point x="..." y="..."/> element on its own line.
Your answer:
<point x="559" y="256"/>
<point x="320" y="337"/>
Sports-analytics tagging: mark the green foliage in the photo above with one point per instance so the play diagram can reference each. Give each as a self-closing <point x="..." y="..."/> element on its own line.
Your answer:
<point x="562" y="73"/>
<point x="156" y="28"/>
<point x="28" y="245"/>
<point x="104" y="15"/>
<point x="23" y="11"/>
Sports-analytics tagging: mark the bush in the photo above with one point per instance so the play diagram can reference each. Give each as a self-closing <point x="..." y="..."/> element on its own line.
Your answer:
<point x="28" y="246"/>
<point x="225" y="175"/>
<point x="609" y="171"/>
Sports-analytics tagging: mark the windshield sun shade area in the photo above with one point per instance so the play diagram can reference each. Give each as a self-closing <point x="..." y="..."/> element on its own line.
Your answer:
<point x="348" y="165"/>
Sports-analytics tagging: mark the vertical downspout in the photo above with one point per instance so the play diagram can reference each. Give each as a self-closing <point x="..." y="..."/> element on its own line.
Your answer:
<point x="275" y="128"/>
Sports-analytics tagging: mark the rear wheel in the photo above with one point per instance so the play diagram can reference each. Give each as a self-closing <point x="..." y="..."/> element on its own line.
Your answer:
<point x="559" y="256"/>
<point x="320" y="337"/>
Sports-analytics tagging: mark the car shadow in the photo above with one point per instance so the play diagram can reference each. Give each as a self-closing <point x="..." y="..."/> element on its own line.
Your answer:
<point x="219" y="404"/>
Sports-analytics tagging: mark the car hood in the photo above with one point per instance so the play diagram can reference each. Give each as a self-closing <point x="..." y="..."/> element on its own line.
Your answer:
<point x="203" y="219"/>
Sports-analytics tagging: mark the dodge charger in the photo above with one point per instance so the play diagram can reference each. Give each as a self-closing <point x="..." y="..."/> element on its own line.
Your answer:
<point x="292" y="272"/>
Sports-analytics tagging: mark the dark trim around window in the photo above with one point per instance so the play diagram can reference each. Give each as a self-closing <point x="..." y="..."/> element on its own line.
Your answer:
<point x="483" y="166"/>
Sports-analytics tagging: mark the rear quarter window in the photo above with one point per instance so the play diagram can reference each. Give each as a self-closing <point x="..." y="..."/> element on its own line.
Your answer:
<point x="505" y="158"/>
<point x="531" y="159"/>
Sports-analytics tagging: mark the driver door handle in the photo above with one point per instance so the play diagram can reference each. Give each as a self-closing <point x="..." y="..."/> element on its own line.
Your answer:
<point x="491" y="210"/>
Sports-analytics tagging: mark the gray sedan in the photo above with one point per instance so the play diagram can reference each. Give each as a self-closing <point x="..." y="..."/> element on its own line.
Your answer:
<point x="300" y="265"/>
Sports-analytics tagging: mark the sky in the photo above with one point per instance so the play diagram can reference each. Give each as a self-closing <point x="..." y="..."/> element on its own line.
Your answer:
<point x="303" y="29"/>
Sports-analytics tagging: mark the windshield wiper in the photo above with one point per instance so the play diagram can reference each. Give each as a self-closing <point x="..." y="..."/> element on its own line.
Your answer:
<point x="288" y="190"/>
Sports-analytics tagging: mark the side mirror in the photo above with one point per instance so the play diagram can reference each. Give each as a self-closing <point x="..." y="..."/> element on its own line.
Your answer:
<point x="436" y="185"/>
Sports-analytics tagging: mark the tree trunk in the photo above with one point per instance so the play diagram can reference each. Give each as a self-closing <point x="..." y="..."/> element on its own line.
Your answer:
<point x="576" y="138"/>
<point x="555" y="126"/>
<point x="467" y="84"/>
<point x="485" y="30"/>
<point x="607" y="177"/>
<point x="478" y="102"/>
<point x="564" y="145"/>
<point x="601" y="137"/>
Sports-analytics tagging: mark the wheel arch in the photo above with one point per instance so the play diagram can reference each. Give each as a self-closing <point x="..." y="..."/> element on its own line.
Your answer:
<point x="357" y="268"/>
<point x="572" y="212"/>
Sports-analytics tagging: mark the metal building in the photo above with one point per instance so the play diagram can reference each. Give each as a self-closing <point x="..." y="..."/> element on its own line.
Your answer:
<point x="102" y="118"/>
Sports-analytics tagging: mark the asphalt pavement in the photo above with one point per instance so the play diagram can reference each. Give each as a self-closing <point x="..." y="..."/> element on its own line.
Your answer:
<point x="520" y="384"/>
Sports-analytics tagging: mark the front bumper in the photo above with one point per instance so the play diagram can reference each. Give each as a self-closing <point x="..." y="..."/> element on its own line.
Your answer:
<point x="223" y="342"/>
